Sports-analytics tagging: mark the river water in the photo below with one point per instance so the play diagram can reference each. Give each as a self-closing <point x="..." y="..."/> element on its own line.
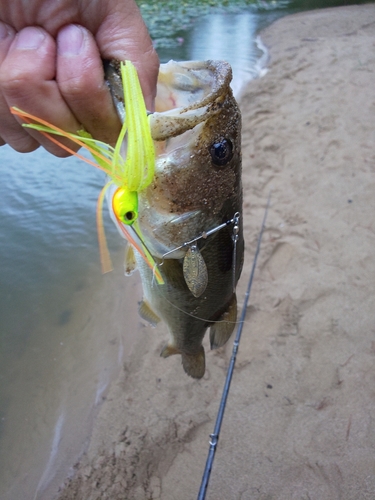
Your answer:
<point x="64" y="332"/>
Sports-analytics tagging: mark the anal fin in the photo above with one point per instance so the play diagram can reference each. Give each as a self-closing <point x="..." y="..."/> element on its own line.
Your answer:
<point x="169" y="350"/>
<point x="146" y="312"/>
<point x="223" y="328"/>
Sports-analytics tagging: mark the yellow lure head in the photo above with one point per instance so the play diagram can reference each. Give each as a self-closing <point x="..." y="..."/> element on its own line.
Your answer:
<point x="125" y="205"/>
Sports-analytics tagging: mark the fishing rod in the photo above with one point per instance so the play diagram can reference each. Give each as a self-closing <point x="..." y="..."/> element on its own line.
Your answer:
<point x="214" y="437"/>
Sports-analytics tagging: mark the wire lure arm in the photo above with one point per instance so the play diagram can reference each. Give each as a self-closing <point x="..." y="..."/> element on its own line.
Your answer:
<point x="205" y="235"/>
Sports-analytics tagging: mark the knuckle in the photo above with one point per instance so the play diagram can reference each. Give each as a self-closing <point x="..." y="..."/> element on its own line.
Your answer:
<point x="17" y="76"/>
<point x="15" y="81"/>
<point x="77" y="89"/>
<point x="23" y="144"/>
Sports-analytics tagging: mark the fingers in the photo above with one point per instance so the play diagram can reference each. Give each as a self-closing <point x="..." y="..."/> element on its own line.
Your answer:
<point x="27" y="80"/>
<point x="80" y="78"/>
<point x="77" y="97"/>
<point x="62" y="81"/>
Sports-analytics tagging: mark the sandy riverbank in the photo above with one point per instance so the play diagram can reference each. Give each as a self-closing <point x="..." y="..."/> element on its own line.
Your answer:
<point x="299" y="421"/>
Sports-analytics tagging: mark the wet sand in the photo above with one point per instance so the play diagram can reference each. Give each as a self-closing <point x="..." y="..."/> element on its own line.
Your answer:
<point x="299" y="421"/>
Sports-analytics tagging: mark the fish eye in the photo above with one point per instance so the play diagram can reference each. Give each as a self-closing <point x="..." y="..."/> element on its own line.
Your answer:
<point x="221" y="152"/>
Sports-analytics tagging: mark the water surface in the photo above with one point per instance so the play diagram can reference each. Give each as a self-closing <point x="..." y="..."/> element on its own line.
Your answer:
<point x="61" y="322"/>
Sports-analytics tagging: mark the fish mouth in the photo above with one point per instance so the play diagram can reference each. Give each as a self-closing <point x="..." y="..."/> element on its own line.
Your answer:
<point x="187" y="94"/>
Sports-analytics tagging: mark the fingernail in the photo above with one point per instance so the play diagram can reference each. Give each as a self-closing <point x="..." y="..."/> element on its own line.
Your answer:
<point x="29" y="39"/>
<point x="70" y="40"/>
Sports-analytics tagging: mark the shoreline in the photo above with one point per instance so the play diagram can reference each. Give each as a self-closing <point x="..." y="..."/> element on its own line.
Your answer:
<point x="298" y="420"/>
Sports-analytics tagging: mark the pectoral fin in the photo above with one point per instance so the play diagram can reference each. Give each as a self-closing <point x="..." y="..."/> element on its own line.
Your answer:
<point x="130" y="264"/>
<point x="223" y="328"/>
<point x="146" y="312"/>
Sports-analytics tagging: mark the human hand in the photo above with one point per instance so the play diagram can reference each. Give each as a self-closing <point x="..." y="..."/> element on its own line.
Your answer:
<point x="51" y="65"/>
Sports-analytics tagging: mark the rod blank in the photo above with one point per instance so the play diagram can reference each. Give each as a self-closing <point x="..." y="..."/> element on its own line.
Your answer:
<point x="214" y="437"/>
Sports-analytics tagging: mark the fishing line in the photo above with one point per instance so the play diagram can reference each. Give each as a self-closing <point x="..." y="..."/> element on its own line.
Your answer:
<point x="196" y="317"/>
<point x="214" y="437"/>
<point x="193" y="315"/>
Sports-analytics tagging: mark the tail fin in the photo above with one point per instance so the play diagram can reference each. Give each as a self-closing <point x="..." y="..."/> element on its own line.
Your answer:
<point x="194" y="364"/>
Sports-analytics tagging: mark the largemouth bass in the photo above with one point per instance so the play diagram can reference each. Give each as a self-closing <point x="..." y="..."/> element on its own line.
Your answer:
<point x="189" y="217"/>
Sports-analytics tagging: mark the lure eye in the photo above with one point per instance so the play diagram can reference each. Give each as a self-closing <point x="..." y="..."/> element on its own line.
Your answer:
<point x="130" y="217"/>
<point x="221" y="152"/>
<point x="125" y="205"/>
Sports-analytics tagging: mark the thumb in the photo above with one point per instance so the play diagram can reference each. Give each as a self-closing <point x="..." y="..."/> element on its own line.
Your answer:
<point x="123" y="35"/>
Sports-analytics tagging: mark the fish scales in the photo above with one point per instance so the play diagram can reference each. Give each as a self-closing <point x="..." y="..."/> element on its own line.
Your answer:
<point x="197" y="187"/>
